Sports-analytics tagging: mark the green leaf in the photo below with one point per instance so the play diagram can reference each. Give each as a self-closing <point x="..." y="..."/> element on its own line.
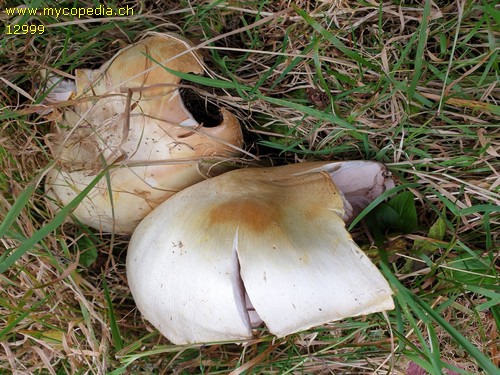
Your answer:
<point x="380" y="220"/>
<point x="473" y="270"/>
<point x="404" y="205"/>
<point x="398" y="215"/>
<point x="88" y="251"/>
<point x="436" y="232"/>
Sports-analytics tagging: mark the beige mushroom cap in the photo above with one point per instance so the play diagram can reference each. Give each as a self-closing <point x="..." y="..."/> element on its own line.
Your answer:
<point x="271" y="240"/>
<point x="131" y="116"/>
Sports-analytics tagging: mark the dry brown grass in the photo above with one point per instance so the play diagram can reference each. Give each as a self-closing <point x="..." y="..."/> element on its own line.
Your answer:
<point x="426" y="103"/>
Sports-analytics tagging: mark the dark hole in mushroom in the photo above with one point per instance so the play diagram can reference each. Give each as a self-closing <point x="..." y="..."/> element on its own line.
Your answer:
<point x="203" y="111"/>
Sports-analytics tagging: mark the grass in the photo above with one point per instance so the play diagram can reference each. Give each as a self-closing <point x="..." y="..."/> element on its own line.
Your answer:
<point x="412" y="85"/>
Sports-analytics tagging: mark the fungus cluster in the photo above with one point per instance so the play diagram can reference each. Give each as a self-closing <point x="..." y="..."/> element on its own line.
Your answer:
<point x="210" y="259"/>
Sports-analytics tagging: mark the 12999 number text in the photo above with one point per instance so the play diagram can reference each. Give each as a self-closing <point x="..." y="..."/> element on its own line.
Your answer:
<point x="24" y="29"/>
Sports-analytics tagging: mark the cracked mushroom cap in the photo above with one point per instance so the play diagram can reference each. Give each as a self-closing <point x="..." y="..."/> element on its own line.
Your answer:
<point x="130" y="115"/>
<point x="257" y="245"/>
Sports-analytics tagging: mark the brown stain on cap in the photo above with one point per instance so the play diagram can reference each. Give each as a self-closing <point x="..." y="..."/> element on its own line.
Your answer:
<point x="255" y="214"/>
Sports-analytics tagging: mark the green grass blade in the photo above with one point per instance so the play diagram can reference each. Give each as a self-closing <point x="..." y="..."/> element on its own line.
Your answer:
<point x="435" y="357"/>
<point x="492" y="296"/>
<point x="427" y="312"/>
<point x="419" y="57"/>
<point x="205" y="81"/>
<point x="296" y="60"/>
<point x="44" y="231"/>
<point x="21" y="201"/>
<point x="334" y="40"/>
<point x="17" y="207"/>
<point x="380" y="199"/>
<point x="308" y="111"/>
<point x="115" y="330"/>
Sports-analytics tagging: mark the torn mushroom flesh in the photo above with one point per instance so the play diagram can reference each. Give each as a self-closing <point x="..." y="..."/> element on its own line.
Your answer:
<point x="257" y="244"/>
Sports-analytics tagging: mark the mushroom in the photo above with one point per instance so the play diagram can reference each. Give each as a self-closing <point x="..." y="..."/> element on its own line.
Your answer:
<point x="258" y="245"/>
<point x="130" y="117"/>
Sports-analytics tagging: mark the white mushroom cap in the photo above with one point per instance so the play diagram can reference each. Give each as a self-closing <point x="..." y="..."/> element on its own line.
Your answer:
<point x="130" y="115"/>
<point x="271" y="238"/>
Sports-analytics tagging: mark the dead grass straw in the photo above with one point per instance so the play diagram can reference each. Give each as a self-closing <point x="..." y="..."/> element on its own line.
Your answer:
<point x="413" y="85"/>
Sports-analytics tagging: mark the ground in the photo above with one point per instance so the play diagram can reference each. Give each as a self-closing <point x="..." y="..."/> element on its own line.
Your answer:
<point x="413" y="85"/>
